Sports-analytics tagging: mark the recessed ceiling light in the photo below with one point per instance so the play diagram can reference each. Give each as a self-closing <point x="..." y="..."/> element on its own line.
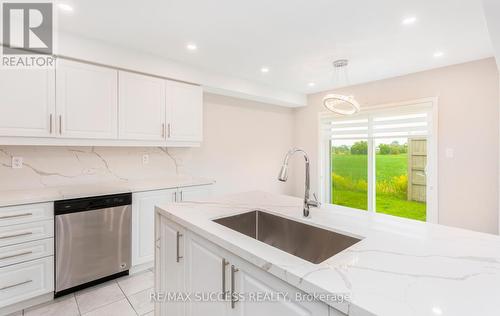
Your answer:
<point x="191" y="46"/>
<point x="409" y="20"/>
<point x="65" y="7"/>
<point x="437" y="311"/>
<point x="438" y="54"/>
<point x="264" y="69"/>
<point x="311" y="84"/>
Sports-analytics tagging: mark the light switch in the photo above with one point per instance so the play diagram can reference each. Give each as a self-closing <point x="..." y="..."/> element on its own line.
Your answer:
<point x="17" y="162"/>
<point x="450" y="153"/>
<point x="145" y="159"/>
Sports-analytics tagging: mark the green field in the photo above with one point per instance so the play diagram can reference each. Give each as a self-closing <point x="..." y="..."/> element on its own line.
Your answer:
<point x="349" y="188"/>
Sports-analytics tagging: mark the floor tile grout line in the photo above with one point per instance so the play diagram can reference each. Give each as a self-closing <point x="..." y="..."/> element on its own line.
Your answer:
<point x="77" y="305"/>
<point x="109" y="303"/>
<point x="126" y="297"/>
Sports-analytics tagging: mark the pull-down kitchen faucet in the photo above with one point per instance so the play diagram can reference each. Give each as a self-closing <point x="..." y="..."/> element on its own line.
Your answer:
<point x="283" y="176"/>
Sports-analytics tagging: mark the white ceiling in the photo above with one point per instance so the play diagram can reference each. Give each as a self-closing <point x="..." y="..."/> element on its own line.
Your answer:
<point x="296" y="39"/>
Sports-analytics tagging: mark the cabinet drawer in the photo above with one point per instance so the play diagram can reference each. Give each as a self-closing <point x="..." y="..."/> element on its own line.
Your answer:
<point x="26" y="251"/>
<point x="20" y="214"/>
<point x="15" y="234"/>
<point x="26" y="280"/>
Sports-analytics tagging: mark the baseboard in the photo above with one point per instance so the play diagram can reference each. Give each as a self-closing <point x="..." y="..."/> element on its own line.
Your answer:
<point x="141" y="267"/>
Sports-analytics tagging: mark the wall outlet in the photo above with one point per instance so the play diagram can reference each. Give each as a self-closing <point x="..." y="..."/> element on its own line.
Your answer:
<point x="17" y="162"/>
<point x="145" y="159"/>
<point x="450" y="153"/>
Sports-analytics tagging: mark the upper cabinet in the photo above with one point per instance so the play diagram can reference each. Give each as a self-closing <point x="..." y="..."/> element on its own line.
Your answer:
<point x="86" y="100"/>
<point x="184" y="112"/>
<point x="142" y="107"/>
<point x="84" y="104"/>
<point x="27" y="102"/>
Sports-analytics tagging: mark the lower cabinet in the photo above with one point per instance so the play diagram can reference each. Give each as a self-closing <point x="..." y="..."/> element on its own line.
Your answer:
<point x="170" y="278"/>
<point x="26" y="280"/>
<point x="219" y="282"/>
<point x="143" y="208"/>
<point x="26" y="255"/>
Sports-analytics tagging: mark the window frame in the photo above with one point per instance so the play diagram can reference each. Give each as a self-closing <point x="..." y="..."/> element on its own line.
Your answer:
<point x="432" y="212"/>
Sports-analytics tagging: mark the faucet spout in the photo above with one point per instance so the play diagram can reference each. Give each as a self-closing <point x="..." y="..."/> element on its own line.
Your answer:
<point x="283" y="176"/>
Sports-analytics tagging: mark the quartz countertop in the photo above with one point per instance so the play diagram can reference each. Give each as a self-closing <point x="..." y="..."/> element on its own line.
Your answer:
<point x="400" y="267"/>
<point x="49" y="194"/>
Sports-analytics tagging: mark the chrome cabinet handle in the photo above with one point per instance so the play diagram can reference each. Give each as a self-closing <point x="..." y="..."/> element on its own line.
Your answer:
<point x="175" y="196"/>
<point x="17" y="255"/>
<point x="15" y="215"/>
<point x="13" y="285"/>
<point x="16" y="235"/>
<point x="168" y="130"/>
<point x="182" y="195"/>
<point x="163" y="130"/>
<point x="233" y="300"/>
<point x="224" y="264"/>
<point x="179" y="257"/>
<point x="50" y="124"/>
<point x="60" y="124"/>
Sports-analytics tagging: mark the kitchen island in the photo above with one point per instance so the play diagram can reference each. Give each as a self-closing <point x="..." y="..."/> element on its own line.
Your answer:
<point x="399" y="266"/>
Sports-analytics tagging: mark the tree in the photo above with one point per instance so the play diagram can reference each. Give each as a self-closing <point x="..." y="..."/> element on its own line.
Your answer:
<point x="341" y="150"/>
<point x="359" y="148"/>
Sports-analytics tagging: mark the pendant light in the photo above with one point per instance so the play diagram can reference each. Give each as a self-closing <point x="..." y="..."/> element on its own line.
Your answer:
<point x="338" y="103"/>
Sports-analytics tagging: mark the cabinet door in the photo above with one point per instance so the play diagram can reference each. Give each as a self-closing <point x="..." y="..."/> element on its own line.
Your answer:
<point x="143" y="209"/>
<point x="194" y="193"/>
<point x="142" y="107"/>
<point x="184" y="112"/>
<point x="249" y="279"/>
<point x="86" y="100"/>
<point x="206" y="272"/>
<point x="169" y="266"/>
<point x="27" y="105"/>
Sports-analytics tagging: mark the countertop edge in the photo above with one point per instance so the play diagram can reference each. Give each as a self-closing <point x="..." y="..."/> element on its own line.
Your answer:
<point x="51" y="194"/>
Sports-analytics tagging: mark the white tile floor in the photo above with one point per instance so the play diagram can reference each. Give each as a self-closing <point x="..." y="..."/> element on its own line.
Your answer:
<point x="125" y="296"/>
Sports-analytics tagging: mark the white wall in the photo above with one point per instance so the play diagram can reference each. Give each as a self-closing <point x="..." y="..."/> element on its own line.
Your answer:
<point x="468" y="122"/>
<point x="244" y="145"/>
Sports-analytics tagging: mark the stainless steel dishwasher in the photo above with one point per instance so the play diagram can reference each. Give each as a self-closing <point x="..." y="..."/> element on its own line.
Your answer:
<point x="92" y="241"/>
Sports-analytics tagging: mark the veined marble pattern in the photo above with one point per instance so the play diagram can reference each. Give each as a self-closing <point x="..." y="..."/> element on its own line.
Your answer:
<point x="59" y="166"/>
<point x="401" y="267"/>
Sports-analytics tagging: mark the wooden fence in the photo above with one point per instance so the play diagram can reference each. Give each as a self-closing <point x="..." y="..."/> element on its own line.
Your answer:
<point x="417" y="161"/>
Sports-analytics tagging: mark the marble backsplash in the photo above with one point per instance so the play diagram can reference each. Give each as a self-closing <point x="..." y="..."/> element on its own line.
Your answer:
<point x="58" y="166"/>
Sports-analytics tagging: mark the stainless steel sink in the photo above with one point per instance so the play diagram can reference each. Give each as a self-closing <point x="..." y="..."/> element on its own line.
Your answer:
<point x="305" y="241"/>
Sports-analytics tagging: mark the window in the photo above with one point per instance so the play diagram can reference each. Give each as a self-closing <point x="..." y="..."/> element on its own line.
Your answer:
<point x="378" y="160"/>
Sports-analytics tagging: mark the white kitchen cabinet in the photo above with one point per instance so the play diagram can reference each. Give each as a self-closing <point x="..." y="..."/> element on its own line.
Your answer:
<point x="27" y="106"/>
<point x="26" y="255"/>
<point x="141" y="107"/>
<point x="207" y="268"/>
<point x="193" y="193"/>
<point x="143" y="206"/>
<point x="248" y="279"/>
<point x="86" y="100"/>
<point x="26" y="280"/>
<point x="83" y="104"/>
<point x="170" y="266"/>
<point x="184" y="112"/>
<point x="206" y="272"/>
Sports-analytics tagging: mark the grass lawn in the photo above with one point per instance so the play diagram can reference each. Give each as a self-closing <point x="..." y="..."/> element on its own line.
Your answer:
<point x="354" y="167"/>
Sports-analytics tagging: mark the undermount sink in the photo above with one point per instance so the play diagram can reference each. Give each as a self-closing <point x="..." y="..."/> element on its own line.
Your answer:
<point x="308" y="242"/>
